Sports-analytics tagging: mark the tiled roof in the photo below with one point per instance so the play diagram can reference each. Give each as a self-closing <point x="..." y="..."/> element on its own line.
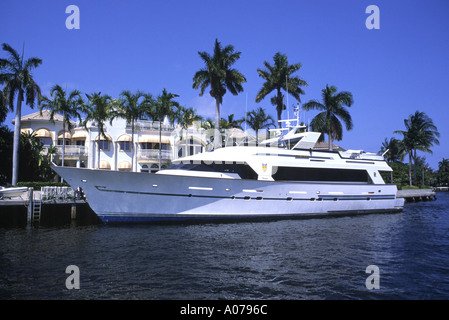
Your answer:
<point x="45" y="116"/>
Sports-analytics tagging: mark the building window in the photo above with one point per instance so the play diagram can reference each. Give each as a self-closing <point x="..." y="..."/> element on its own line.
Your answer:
<point x="154" y="146"/>
<point x="125" y="145"/>
<point x="144" y="168"/>
<point x="60" y="142"/>
<point x="46" y="141"/>
<point x="103" y="145"/>
<point x="193" y="147"/>
<point x="80" y="143"/>
<point x="146" y="145"/>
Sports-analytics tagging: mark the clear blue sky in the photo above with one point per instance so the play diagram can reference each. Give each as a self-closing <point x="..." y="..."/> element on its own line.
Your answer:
<point x="150" y="45"/>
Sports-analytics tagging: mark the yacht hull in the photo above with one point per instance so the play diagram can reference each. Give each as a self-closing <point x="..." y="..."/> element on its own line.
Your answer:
<point x="118" y="197"/>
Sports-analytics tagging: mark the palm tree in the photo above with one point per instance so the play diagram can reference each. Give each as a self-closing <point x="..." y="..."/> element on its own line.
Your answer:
<point x="99" y="111"/>
<point x="44" y="163"/>
<point x="132" y="107"/>
<point x="31" y="150"/>
<point x="407" y="146"/>
<point x="231" y="122"/>
<point x="70" y="106"/>
<point x="3" y="106"/>
<point x="426" y="132"/>
<point x="164" y="106"/>
<point x="208" y="124"/>
<point x="258" y="119"/>
<point x="420" y="134"/>
<point x="328" y="121"/>
<point x="391" y="149"/>
<point x="443" y="172"/>
<point x="279" y="77"/>
<point x="220" y="76"/>
<point x="186" y="117"/>
<point x="16" y="75"/>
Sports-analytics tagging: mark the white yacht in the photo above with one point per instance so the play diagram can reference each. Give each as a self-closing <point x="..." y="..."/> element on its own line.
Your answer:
<point x="284" y="177"/>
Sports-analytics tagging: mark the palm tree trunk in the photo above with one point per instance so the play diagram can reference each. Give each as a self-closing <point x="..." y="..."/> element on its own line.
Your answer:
<point x="16" y="143"/>
<point x="160" y="146"/>
<point x="329" y="132"/>
<point x="63" y="139"/>
<point x="410" y="167"/>
<point x="187" y="145"/>
<point x="414" y="164"/>
<point x="279" y="108"/>
<point x="217" y="137"/>
<point x="98" y="147"/>
<point x="132" y="145"/>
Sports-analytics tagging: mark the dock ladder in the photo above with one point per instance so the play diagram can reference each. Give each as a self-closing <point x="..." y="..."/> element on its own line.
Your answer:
<point x="34" y="208"/>
<point x="37" y="209"/>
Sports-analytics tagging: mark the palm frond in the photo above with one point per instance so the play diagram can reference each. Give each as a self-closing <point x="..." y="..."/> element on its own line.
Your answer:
<point x="13" y="53"/>
<point x="313" y="105"/>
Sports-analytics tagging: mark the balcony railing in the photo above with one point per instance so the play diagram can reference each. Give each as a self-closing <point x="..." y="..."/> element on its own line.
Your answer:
<point x="72" y="150"/>
<point x="149" y="126"/>
<point x="154" y="154"/>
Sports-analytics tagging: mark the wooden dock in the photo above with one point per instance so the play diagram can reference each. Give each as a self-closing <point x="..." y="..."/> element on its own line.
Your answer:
<point x="30" y="208"/>
<point x="415" y="195"/>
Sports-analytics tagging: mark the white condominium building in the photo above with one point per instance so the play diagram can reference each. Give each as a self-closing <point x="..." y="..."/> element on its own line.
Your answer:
<point x="85" y="148"/>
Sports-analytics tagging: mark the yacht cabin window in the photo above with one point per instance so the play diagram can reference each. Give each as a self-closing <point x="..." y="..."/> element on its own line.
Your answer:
<point x="321" y="174"/>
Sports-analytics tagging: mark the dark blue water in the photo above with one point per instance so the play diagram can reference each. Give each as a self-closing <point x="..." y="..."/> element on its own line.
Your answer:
<point x="289" y="259"/>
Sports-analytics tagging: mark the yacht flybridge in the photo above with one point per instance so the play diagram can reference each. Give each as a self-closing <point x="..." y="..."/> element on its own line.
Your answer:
<point x="283" y="177"/>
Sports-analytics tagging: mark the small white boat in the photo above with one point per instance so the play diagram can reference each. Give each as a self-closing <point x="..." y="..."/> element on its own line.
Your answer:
<point x="12" y="192"/>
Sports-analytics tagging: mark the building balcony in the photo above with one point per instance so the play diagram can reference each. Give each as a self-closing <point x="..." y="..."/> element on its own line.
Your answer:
<point x="144" y="125"/>
<point x="148" y="154"/>
<point x="72" y="150"/>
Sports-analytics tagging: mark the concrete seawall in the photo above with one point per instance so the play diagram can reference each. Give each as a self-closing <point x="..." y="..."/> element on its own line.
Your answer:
<point x="414" y="195"/>
<point x="52" y="214"/>
<point x="55" y="209"/>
